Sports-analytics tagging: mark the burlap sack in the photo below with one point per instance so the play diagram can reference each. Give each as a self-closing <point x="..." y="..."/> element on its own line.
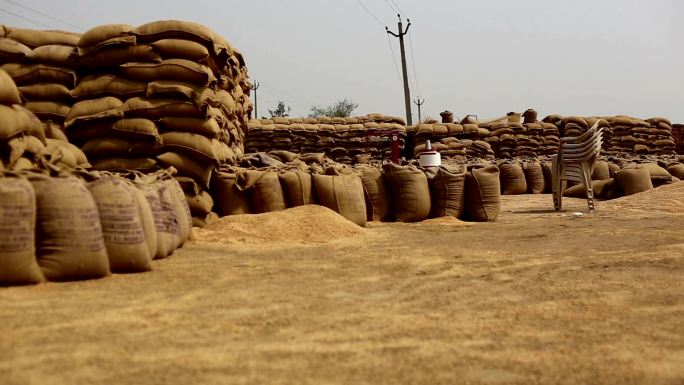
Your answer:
<point x="603" y="189"/>
<point x="342" y="194"/>
<point x="676" y="170"/>
<point x="24" y="74"/>
<point x="483" y="194"/>
<point x="446" y="188"/>
<point x="110" y="58"/>
<point x="196" y="146"/>
<point x="410" y="192"/>
<point x="297" y="187"/>
<point x="165" y="218"/>
<point x="182" y="209"/>
<point x="512" y="179"/>
<point x="159" y="108"/>
<point x="18" y="264"/>
<point x="601" y="171"/>
<point x="12" y="51"/>
<point x="69" y="240"/>
<point x="208" y="128"/>
<point x="148" y="222"/>
<point x="378" y="197"/>
<point x="659" y="175"/>
<point x="46" y="92"/>
<point x="104" y="35"/>
<point x="534" y="177"/>
<point x="200" y="204"/>
<point x="179" y="70"/>
<point x="35" y="38"/>
<point x="8" y="90"/>
<point x="107" y="107"/>
<point x="124" y="164"/>
<point x="54" y="54"/>
<point x="201" y="172"/>
<point x="12" y="122"/>
<point x="101" y="85"/>
<point x="634" y="180"/>
<point x="181" y="49"/>
<point x="230" y="200"/>
<point x="265" y="191"/>
<point x="122" y="224"/>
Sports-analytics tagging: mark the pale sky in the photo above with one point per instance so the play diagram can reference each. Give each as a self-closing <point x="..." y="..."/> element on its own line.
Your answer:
<point x="485" y="57"/>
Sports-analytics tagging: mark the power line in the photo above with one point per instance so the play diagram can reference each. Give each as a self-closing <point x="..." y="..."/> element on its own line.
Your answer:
<point x="391" y="6"/>
<point x="394" y="58"/>
<point x="43" y="14"/>
<point x="27" y="19"/>
<point x="399" y="9"/>
<point x="288" y="95"/>
<point x="371" y="13"/>
<point x="413" y="62"/>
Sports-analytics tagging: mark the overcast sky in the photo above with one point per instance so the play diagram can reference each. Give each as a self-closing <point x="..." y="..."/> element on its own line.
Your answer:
<point x="485" y="57"/>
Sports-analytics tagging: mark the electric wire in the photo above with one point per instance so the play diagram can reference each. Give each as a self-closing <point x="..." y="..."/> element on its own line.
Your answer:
<point x="28" y="19"/>
<point x="371" y="13"/>
<point x="20" y="5"/>
<point x="394" y="58"/>
<point x="398" y="8"/>
<point x="413" y="64"/>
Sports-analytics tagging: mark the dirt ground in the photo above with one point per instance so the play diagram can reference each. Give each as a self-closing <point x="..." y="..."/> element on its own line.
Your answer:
<point x="538" y="297"/>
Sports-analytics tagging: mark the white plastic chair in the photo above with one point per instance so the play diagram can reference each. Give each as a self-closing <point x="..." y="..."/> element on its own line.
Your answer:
<point x="575" y="162"/>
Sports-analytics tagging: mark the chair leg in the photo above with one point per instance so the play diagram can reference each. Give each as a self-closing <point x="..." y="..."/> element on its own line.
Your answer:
<point x="556" y="184"/>
<point x="586" y="173"/>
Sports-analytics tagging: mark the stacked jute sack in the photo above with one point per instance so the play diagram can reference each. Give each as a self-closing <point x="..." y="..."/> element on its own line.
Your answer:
<point x="368" y="192"/>
<point x="43" y="65"/>
<point x="678" y="136"/>
<point x="458" y="140"/>
<point x="167" y="93"/>
<point x="59" y="225"/>
<point x="651" y="136"/>
<point x="346" y="140"/>
<point x="24" y="139"/>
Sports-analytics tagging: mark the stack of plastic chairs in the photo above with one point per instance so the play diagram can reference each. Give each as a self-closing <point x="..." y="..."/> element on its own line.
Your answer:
<point x="575" y="162"/>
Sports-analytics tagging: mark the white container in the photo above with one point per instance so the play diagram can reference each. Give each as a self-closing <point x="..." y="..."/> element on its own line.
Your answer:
<point x="430" y="159"/>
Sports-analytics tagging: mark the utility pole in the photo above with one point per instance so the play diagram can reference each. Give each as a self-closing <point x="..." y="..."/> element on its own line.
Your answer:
<point x="419" y="102"/>
<point x="407" y="92"/>
<point x="254" y="88"/>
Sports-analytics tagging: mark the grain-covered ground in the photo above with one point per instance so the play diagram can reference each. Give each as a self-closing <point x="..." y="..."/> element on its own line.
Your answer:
<point x="536" y="298"/>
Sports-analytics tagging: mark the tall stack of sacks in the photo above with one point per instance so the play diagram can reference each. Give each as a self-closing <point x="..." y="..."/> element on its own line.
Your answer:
<point x="43" y="65"/>
<point x="660" y="136"/>
<point x="166" y="93"/>
<point x="453" y="140"/>
<point x="628" y="135"/>
<point x="24" y="139"/>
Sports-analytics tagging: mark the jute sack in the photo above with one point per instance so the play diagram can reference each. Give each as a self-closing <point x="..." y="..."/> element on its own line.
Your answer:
<point x="46" y="92"/>
<point x="659" y="175"/>
<point x="101" y="85"/>
<point x="601" y="171"/>
<point x="483" y="194"/>
<point x="297" y="187"/>
<point x="35" y="38"/>
<point x="265" y="191"/>
<point x="165" y="218"/>
<point x="8" y="90"/>
<point x="124" y="164"/>
<point x="18" y="264"/>
<point x="378" y="200"/>
<point x="206" y="127"/>
<point x="534" y="178"/>
<point x="105" y="35"/>
<point x="411" y="192"/>
<point x="148" y="222"/>
<point x="122" y="224"/>
<point x="512" y="179"/>
<point x="676" y="170"/>
<point x="12" y="51"/>
<point x="103" y="108"/>
<point x="201" y="172"/>
<point x="109" y="58"/>
<point x="12" y="122"/>
<point x="342" y="194"/>
<point x="180" y="70"/>
<point x="603" y="189"/>
<point x="54" y="54"/>
<point x="24" y="74"/>
<point x="69" y="240"/>
<point x="182" y="208"/>
<point x="181" y="49"/>
<point x="230" y="199"/>
<point x="200" y="204"/>
<point x="446" y="187"/>
<point x="634" y="180"/>
<point x="160" y="108"/>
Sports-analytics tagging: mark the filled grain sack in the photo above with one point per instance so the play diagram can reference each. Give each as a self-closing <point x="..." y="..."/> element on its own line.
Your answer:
<point x="297" y="187"/>
<point x="148" y="222"/>
<point x="659" y="175"/>
<point x="122" y="224"/>
<point x="634" y="180"/>
<point x="186" y="165"/>
<point x="378" y="198"/>
<point x="179" y="70"/>
<point x="182" y="209"/>
<point x="603" y="189"/>
<point x="69" y="240"/>
<point x="342" y="194"/>
<point x="446" y="188"/>
<point x="181" y="49"/>
<point x="482" y="194"/>
<point x="230" y="200"/>
<point x="264" y="189"/>
<point x="165" y="218"/>
<point x="410" y="192"/>
<point x="601" y="171"/>
<point x="512" y="179"/>
<point x="676" y="170"/>
<point x="200" y="204"/>
<point x="18" y="263"/>
<point x="8" y="90"/>
<point x="534" y="178"/>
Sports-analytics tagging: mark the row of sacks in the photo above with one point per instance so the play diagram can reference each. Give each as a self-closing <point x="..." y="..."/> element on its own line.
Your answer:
<point x="610" y="178"/>
<point x="44" y="66"/>
<point x="24" y="138"/>
<point x="76" y="226"/>
<point x="346" y="140"/>
<point x="363" y="193"/>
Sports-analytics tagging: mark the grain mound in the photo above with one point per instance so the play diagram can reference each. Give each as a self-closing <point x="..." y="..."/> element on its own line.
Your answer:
<point x="303" y="224"/>
<point x="666" y="199"/>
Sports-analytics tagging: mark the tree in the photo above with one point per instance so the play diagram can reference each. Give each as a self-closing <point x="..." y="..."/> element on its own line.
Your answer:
<point x="340" y="109"/>
<point x="281" y="110"/>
